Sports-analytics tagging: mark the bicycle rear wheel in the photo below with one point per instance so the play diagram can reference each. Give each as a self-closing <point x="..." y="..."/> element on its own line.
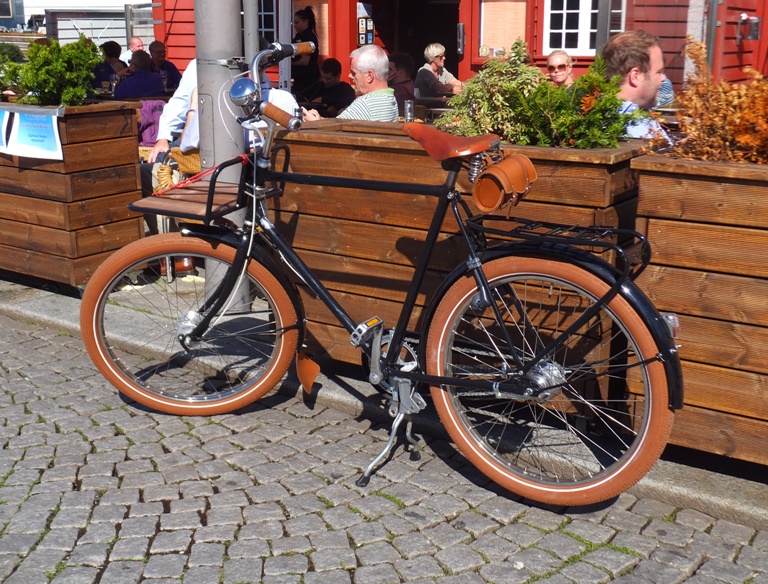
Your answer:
<point x="601" y="417"/>
<point x="138" y="304"/>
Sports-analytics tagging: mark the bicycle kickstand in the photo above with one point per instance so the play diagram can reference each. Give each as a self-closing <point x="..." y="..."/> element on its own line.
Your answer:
<point x="405" y="401"/>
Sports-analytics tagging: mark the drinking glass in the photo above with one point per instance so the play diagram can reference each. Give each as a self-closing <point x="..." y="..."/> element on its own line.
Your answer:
<point x="408" y="107"/>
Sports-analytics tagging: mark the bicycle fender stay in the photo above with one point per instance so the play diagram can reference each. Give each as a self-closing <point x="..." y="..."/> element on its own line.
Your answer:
<point x="219" y="235"/>
<point x="603" y="270"/>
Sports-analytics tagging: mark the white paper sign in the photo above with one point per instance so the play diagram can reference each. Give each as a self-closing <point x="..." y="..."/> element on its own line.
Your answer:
<point x="35" y="136"/>
<point x="4" y="115"/>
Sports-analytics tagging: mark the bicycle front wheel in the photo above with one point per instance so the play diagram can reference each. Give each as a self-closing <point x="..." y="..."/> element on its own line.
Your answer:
<point x="597" y="416"/>
<point x="144" y="299"/>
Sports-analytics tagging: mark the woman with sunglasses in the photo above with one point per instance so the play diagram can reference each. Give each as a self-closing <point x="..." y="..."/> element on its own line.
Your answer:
<point x="433" y="78"/>
<point x="559" y="65"/>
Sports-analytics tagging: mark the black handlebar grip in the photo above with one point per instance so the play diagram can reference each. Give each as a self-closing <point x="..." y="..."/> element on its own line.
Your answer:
<point x="282" y="117"/>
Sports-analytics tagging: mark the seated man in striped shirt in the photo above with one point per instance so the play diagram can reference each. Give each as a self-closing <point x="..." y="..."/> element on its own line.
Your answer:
<point x="376" y="102"/>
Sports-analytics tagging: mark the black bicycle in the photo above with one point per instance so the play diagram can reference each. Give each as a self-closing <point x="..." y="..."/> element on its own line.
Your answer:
<point x="551" y="371"/>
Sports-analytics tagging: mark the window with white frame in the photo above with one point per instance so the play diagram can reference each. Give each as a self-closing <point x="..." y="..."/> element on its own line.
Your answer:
<point x="572" y="25"/>
<point x="268" y="20"/>
<point x="6" y="10"/>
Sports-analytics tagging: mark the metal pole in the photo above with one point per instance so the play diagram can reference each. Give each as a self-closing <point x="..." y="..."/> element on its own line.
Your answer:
<point x="603" y="24"/>
<point x="285" y="35"/>
<point x="251" y="30"/>
<point x="218" y="37"/>
<point x="713" y="22"/>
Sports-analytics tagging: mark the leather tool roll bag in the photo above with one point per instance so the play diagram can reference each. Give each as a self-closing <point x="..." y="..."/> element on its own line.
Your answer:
<point x="503" y="183"/>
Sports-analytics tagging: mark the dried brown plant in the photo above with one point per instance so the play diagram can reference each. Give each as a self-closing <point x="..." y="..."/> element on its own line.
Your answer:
<point x="722" y="121"/>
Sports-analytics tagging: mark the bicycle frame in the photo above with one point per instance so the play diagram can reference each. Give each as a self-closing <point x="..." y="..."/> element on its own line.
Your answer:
<point x="447" y="197"/>
<point x="470" y="229"/>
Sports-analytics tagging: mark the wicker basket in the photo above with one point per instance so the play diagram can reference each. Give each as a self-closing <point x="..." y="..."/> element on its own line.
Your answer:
<point x="188" y="165"/>
<point x="189" y="162"/>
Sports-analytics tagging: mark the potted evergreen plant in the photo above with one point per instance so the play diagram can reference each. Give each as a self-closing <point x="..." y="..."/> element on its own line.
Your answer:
<point x="55" y="74"/>
<point x="511" y="98"/>
<point x="63" y="208"/>
<point x="574" y="137"/>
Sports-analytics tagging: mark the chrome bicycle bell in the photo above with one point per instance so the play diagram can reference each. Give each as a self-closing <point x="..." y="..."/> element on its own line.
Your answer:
<point x="245" y="94"/>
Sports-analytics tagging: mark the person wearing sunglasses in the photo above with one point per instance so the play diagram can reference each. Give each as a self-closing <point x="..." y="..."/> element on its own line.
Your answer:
<point x="559" y="68"/>
<point x="433" y="79"/>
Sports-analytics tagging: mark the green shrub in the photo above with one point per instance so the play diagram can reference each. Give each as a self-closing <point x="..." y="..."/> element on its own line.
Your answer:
<point x="9" y="52"/>
<point x="511" y="98"/>
<point x="56" y="74"/>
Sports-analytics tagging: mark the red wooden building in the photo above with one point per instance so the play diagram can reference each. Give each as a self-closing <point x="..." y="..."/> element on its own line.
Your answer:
<point x="472" y="29"/>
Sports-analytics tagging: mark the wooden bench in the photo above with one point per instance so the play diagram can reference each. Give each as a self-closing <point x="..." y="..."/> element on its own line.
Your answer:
<point x="191" y="202"/>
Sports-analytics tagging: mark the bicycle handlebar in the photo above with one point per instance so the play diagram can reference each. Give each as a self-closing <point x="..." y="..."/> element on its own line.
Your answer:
<point x="247" y="93"/>
<point x="280" y="116"/>
<point x="276" y="53"/>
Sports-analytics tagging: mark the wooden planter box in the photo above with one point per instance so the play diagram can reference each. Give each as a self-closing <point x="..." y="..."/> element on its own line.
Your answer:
<point x="708" y="225"/>
<point x="364" y="245"/>
<point x="60" y="219"/>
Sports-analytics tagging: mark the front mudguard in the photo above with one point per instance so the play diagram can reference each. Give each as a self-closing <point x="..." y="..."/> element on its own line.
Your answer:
<point x="216" y="235"/>
<point x="600" y="268"/>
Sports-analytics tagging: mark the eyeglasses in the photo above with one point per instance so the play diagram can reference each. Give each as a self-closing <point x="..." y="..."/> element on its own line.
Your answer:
<point x="440" y="57"/>
<point x="561" y="67"/>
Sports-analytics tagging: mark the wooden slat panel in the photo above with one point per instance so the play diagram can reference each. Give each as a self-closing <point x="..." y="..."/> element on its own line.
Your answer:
<point x="331" y="343"/>
<point x="365" y="244"/>
<point x="60" y="219"/>
<point x="71" y="244"/>
<point x="92" y="122"/>
<point x="415" y="211"/>
<point x="714" y="248"/>
<point x="731" y="390"/>
<point x="77" y="186"/>
<point x="706" y="294"/>
<point x="373" y="134"/>
<point x="704" y="199"/>
<point x="74" y="272"/>
<point x="390" y="245"/>
<point x="376" y="208"/>
<point x="709" y="267"/>
<point x="366" y="277"/>
<point x="566" y="176"/>
<point x="699" y="168"/>
<point x="120" y="122"/>
<point x="84" y="156"/>
<point x="360" y="308"/>
<point x="721" y="433"/>
<point x="67" y="216"/>
<point x="725" y="344"/>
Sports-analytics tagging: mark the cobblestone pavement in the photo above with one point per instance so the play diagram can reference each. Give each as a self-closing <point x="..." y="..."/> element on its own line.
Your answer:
<point x="95" y="489"/>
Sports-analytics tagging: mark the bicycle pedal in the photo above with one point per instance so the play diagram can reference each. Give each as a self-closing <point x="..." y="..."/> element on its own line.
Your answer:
<point x="365" y="330"/>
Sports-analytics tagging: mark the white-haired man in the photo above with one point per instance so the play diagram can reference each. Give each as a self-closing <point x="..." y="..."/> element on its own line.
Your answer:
<point x="368" y="71"/>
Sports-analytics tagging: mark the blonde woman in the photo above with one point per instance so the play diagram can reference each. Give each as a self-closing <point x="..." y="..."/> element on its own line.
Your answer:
<point x="559" y="68"/>
<point x="433" y="79"/>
